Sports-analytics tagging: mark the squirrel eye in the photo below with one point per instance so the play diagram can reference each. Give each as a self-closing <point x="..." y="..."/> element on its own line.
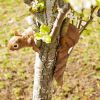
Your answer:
<point x="15" y="46"/>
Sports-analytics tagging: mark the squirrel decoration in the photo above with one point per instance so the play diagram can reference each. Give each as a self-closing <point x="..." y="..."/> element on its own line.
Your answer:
<point x="26" y="39"/>
<point x="68" y="38"/>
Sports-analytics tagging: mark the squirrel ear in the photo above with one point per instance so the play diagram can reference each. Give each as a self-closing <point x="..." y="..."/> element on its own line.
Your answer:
<point x="16" y="33"/>
<point x="19" y="40"/>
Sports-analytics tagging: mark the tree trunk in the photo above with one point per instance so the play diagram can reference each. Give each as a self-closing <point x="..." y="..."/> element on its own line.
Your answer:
<point x="46" y="59"/>
<point x="44" y="67"/>
<point x="45" y="62"/>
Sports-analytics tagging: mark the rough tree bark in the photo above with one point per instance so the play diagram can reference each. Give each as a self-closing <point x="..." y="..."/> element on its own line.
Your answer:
<point x="44" y="66"/>
<point x="45" y="60"/>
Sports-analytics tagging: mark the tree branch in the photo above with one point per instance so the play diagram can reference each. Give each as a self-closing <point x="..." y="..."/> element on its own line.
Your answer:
<point x="90" y="19"/>
<point x="49" y="8"/>
<point x="58" y="22"/>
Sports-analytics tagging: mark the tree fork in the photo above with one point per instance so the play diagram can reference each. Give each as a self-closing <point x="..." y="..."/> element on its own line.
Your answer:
<point x="45" y="62"/>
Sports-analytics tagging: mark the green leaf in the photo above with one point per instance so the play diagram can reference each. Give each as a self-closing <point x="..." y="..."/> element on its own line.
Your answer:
<point x="34" y="9"/>
<point x="44" y="29"/>
<point x="38" y="36"/>
<point x="98" y="2"/>
<point x="43" y="34"/>
<point x="46" y="38"/>
<point x="82" y="14"/>
<point x="40" y="6"/>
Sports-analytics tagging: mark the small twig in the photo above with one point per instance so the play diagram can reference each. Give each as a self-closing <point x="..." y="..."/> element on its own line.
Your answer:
<point x="58" y="22"/>
<point x="90" y="19"/>
<point x="77" y="21"/>
<point x="81" y="17"/>
<point x="73" y="15"/>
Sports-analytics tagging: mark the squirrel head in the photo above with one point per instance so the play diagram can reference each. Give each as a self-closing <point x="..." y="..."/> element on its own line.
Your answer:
<point x="26" y="39"/>
<point x="15" y="43"/>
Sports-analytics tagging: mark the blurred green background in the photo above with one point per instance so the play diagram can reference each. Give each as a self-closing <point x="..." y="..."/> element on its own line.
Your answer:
<point x="82" y="75"/>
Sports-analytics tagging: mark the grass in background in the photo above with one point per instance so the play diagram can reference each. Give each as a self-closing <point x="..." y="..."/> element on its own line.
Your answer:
<point x="16" y="68"/>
